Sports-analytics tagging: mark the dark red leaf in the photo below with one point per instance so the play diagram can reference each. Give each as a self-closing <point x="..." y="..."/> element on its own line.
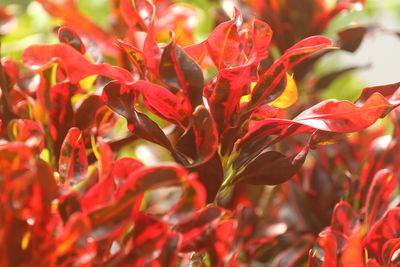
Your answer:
<point x="223" y="44"/>
<point x="344" y="218"/>
<point x="390" y="252"/>
<point x="271" y="168"/>
<point x="182" y="72"/>
<point x="350" y="38"/>
<point x="211" y="175"/>
<point x="147" y="240"/>
<point x="129" y="195"/>
<point x="169" y="252"/>
<point x="230" y="85"/>
<point x="223" y="243"/>
<point x="380" y="190"/>
<point x="73" y="163"/>
<point x="197" y="231"/>
<point x="261" y="34"/>
<point x="85" y="115"/>
<point x="206" y="136"/>
<point x="40" y="57"/>
<point x="69" y="36"/>
<point x="269" y="88"/>
<point x="69" y="204"/>
<point x="388" y="227"/>
<point x="296" y="254"/>
<point x="120" y="98"/>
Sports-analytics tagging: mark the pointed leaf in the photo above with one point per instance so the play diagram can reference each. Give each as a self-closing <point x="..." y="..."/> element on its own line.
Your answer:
<point x="223" y="43"/>
<point x="73" y="164"/>
<point x="231" y="84"/>
<point x="179" y="70"/>
<point x="350" y="38"/>
<point x="268" y="87"/>
<point x="344" y="218"/>
<point x="69" y="36"/>
<point x="120" y="98"/>
<point x="197" y="230"/>
<point x="40" y="57"/>
<point x="162" y="102"/>
<point x="380" y="190"/>
<point x="206" y="136"/>
<point x="129" y="195"/>
<point x="137" y="14"/>
<point x="271" y="168"/>
<point x="388" y="227"/>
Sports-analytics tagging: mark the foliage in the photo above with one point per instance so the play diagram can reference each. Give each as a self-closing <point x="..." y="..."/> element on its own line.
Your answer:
<point x="241" y="187"/>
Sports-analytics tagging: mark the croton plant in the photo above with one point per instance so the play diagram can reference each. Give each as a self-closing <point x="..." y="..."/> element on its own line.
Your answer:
<point x="252" y="174"/>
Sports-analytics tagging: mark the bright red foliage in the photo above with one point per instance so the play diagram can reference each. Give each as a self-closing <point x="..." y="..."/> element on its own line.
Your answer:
<point x="67" y="198"/>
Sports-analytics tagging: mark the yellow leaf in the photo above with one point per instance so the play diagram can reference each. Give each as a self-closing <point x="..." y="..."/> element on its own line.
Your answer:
<point x="289" y="95"/>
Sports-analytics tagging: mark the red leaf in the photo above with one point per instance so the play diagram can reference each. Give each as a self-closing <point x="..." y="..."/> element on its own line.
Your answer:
<point x="333" y="115"/>
<point x="222" y="245"/>
<point x="69" y="36"/>
<point x="211" y="175"/>
<point x="261" y="35"/>
<point x="68" y="12"/>
<point x="268" y="87"/>
<point x="123" y="167"/>
<point x="73" y="164"/>
<point x="390" y="252"/>
<point x="137" y="14"/>
<point x="271" y="168"/>
<point x="135" y="56"/>
<point x="148" y="238"/>
<point x="230" y="85"/>
<point x="129" y="195"/>
<point x="344" y="218"/>
<point x="388" y="227"/>
<point x="40" y="57"/>
<point x="206" y="136"/>
<point x="380" y="190"/>
<point x="179" y="70"/>
<point x="292" y="257"/>
<point x="74" y="235"/>
<point x="85" y="115"/>
<point x="162" y="102"/>
<point x="26" y="131"/>
<point x="120" y="98"/>
<point x="353" y="253"/>
<point x="151" y="51"/>
<point x="192" y="199"/>
<point x="99" y="195"/>
<point x="223" y="43"/>
<point x="69" y="204"/>
<point x="199" y="53"/>
<point x="197" y="230"/>
<point x="169" y="252"/>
